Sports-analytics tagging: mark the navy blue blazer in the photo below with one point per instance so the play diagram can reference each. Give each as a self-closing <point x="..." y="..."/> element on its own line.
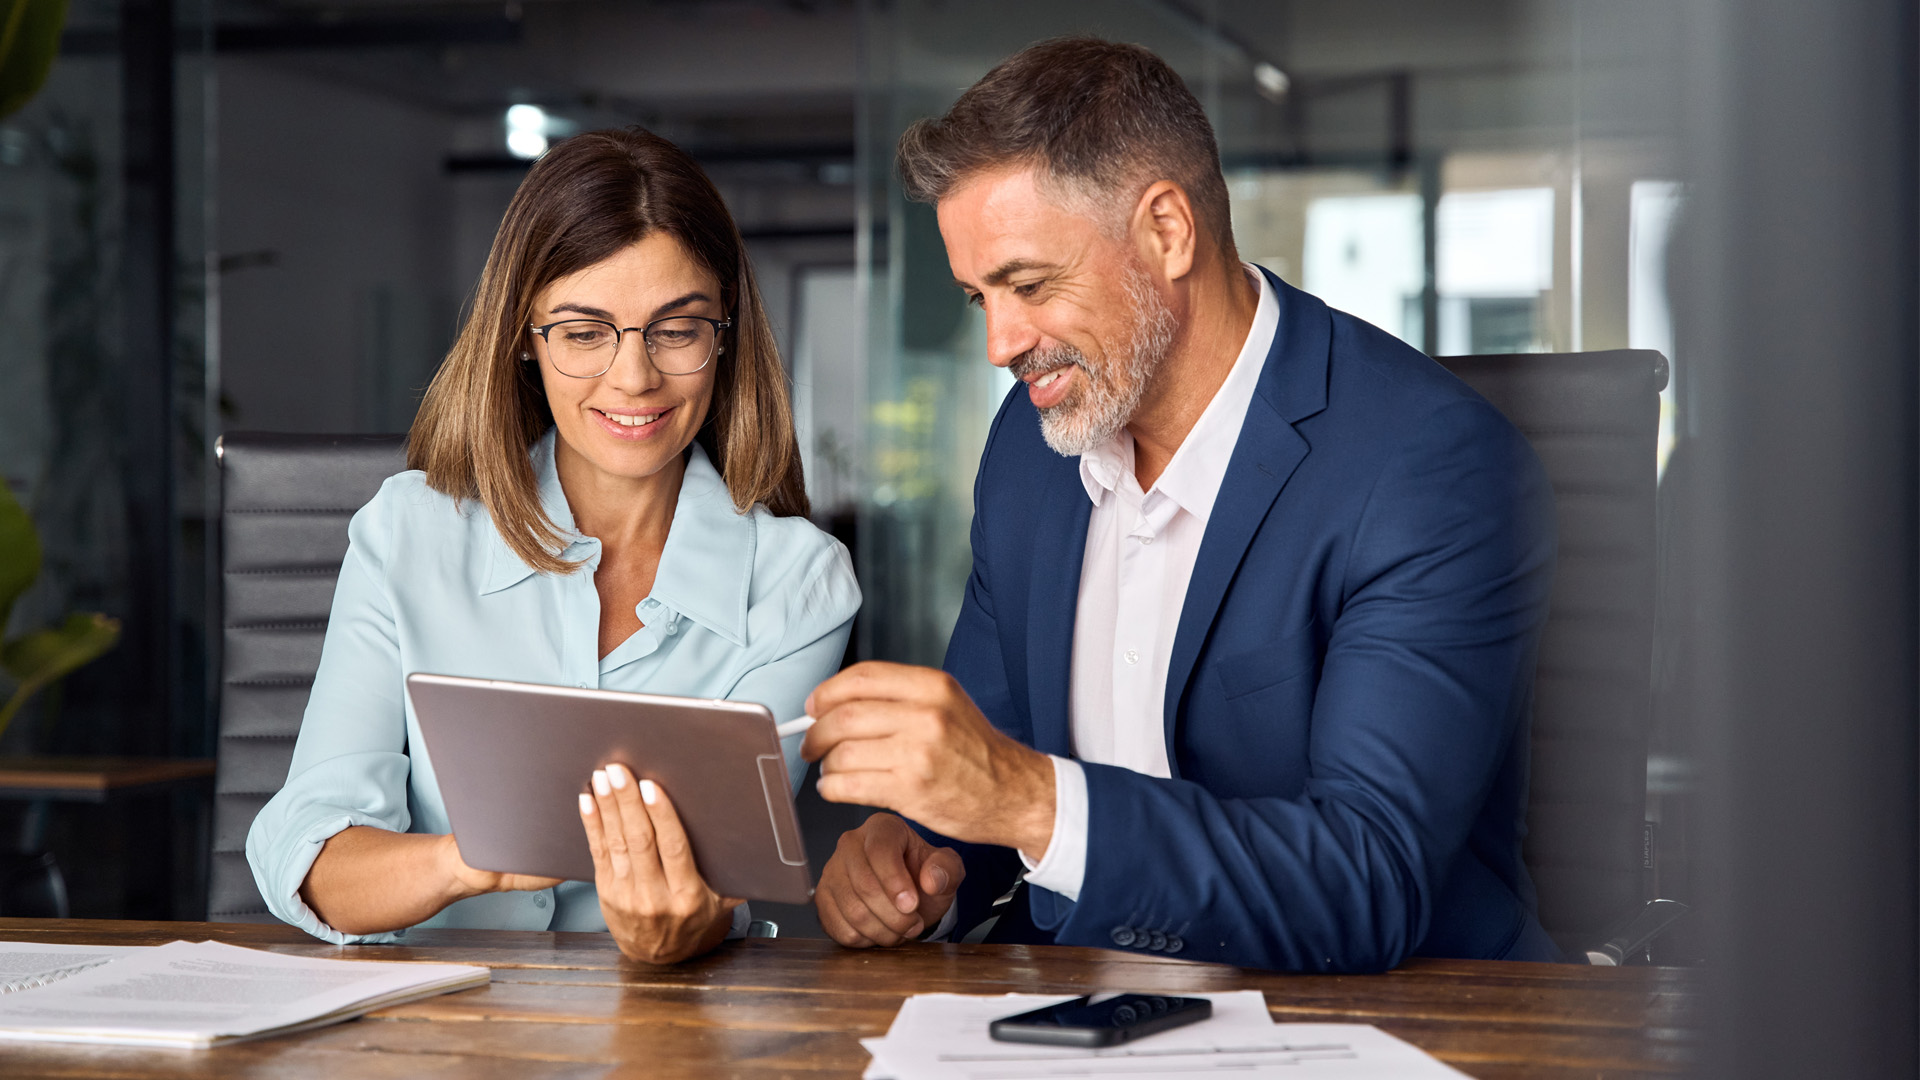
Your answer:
<point x="1350" y="686"/>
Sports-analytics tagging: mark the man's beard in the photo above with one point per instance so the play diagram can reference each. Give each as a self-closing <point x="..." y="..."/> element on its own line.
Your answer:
<point x="1111" y="390"/>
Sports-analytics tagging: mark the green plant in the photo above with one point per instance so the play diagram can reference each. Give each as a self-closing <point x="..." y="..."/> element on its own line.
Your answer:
<point x="29" y="41"/>
<point x="38" y="658"/>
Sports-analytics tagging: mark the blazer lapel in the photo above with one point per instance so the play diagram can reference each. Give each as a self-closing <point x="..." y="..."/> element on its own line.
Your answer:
<point x="1053" y="597"/>
<point x="1293" y="386"/>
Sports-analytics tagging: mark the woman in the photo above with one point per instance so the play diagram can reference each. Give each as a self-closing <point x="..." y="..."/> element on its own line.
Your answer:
<point x="606" y="492"/>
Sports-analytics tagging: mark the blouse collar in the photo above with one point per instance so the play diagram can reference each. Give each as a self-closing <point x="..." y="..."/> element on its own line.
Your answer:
<point x="706" y="566"/>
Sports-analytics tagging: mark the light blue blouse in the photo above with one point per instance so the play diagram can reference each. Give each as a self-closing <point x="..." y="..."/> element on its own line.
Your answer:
<point x="750" y="607"/>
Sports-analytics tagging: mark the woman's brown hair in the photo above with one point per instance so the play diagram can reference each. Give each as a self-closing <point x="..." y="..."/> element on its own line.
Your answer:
<point x="591" y="196"/>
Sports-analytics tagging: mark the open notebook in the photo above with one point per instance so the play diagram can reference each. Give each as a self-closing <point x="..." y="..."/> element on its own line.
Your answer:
<point x="197" y="994"/>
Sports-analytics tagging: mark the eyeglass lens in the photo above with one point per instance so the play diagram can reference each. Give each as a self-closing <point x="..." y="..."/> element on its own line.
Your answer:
<point x="586" y="347"/>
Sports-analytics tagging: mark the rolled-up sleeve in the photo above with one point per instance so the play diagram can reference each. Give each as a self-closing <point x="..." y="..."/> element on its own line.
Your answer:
<point x="349" y="764"/>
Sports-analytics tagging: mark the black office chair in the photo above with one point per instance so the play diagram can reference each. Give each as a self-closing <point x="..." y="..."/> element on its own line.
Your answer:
<point x="1594" y="419"/>
<point x="285" y="503"/>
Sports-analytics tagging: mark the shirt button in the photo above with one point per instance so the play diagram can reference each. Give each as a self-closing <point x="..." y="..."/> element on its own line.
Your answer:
<point x="581" y="685"/>
<point x="1131" y="657"/>
<point x="540" y="901"/>
<point x="1146" y="539"/>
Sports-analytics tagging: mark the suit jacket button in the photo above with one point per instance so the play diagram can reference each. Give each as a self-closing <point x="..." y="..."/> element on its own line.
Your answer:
<point x="1157" y="941"/>
<point x="1123" y="936"/>
<point x="1174" y="943"/>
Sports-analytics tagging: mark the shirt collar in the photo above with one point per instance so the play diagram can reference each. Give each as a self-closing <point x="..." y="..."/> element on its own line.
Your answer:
<point x="1192" y="479"/>
<point x="706" y="566"/>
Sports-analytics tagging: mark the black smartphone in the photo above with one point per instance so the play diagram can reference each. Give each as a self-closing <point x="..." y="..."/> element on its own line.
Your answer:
<point x="1108" y="1022"/>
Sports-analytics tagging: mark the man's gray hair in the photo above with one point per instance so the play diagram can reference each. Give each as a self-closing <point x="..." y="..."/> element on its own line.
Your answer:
<point x="1101" y="121"/>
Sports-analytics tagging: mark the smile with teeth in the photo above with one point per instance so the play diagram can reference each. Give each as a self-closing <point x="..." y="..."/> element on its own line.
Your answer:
<point x="1048" y="379"/>
<point x="632" y="421"/>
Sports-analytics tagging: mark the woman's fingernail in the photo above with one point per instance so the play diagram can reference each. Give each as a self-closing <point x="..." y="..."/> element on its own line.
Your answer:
<point x="600" y="782"/>
<point x="617" y="774"/>
<point x="586" y="804"/>
<point x="648" y="792"/>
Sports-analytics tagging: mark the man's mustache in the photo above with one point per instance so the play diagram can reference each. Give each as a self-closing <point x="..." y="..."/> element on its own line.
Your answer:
<point x="1038" y="362"/>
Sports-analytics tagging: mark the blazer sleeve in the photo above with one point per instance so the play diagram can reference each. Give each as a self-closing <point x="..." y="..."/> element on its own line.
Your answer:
<point x="350" y="764"/>
<point x="974" y="658"/>
<point x="1426" y="679"/>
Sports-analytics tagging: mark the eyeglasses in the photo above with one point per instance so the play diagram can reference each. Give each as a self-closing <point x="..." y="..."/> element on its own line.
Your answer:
<point x="677" y="344"/>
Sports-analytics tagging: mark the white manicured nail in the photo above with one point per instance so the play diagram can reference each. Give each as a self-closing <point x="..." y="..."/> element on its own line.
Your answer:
<point x="586" y="804"/>
<point x="600" y="782"/>
<point x="648" y="791"/>
<point x="617" y="774"/>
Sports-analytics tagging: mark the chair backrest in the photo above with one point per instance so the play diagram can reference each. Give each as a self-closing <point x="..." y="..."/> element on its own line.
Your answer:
<point x="285" y="504"/>
<point x="1594" y="419"/>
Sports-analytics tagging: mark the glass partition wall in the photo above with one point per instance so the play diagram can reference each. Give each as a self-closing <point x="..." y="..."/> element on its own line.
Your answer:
<point x="1474" y="178"/>
<point x="931" y="393"/>
<point x="1471" y="178"/>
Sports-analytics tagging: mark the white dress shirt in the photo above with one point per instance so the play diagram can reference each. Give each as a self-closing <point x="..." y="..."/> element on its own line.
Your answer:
<point x="1140" y="551"/>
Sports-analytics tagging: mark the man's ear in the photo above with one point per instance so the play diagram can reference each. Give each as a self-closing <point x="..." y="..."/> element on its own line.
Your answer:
<point x="1164" y="226"/>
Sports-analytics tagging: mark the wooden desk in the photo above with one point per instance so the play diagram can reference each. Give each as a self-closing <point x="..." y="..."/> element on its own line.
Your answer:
<point x="96" y="779"/>
<point x="567" y="1005"/>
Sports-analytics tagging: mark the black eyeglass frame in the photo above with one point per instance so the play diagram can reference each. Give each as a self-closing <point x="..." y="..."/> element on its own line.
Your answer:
<point x="646" y="339"/>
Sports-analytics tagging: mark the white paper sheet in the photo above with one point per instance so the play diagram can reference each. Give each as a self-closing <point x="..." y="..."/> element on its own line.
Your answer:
<point x="26" y="964"/>
<point x="202" y="994"/>
<point x="944" y="1037"/>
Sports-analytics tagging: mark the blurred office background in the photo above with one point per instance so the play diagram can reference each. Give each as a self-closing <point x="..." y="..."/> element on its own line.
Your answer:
<point x="267" y="214"/>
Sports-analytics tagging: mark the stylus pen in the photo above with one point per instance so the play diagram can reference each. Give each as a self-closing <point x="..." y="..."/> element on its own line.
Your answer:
<point x="794" y="727"/>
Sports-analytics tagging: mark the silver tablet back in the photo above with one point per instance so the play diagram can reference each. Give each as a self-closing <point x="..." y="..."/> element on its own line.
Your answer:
<point x="512" y="758"/>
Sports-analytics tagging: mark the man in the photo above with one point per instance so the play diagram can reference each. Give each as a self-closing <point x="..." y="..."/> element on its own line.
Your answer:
<point x="1244" y="667"/>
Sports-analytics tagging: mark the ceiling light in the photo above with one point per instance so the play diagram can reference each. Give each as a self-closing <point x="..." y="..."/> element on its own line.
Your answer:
<point x="1273" y="82"/>
<point x="527" y="130"/>
<point x="526" y="143"/>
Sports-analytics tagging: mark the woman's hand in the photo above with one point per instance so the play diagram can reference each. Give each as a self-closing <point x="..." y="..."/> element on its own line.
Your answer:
<point x="470" y="882"/>
<point x="657" y="905"/>
<point x="369" y="880"/>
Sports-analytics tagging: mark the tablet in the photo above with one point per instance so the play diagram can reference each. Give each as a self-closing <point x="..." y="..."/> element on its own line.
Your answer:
<point x="512" y="758"/>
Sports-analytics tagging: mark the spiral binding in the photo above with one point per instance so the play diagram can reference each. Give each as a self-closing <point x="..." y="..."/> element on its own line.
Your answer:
<point x="29" y="982"/>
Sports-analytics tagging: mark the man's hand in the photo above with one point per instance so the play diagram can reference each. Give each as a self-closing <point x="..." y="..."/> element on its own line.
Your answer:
<point x="885" y="885"/>
<point x="911" y="740"/>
